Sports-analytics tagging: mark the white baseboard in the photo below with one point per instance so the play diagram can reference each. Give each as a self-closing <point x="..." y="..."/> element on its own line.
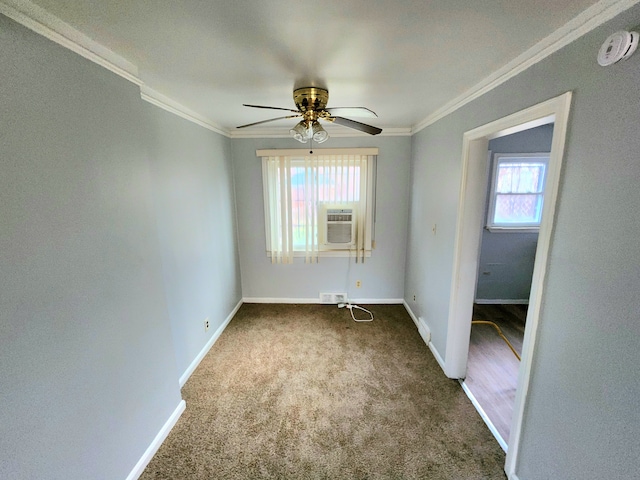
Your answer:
<point x="501" y="301"/>
<point x="280" y="300"/>
<point x="316" y="300"/>
<point x="438" y="358"/>
<point x="377" y="301"/>
<point x="434" y="350"/>
<point x="196" y="361"/>
<point x="157" y="441"/>
<point x="411" y="314"/>
<point x="484" y="416"/>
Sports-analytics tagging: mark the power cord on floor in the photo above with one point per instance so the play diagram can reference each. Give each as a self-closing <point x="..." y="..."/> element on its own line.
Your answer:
<point x="352" y="307"/>
<point x="494" y="325"/>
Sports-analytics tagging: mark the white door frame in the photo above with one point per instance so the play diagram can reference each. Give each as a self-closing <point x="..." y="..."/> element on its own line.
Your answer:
<point x="467" y="244"/>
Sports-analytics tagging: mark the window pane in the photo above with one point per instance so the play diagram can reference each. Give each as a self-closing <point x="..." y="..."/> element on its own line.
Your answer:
<point x="339" y="184"/>
<point x="335" y="185"/>
<point x="298" y="218"/>
<point x="517" y="177"/>
<point x="518" y="209"/>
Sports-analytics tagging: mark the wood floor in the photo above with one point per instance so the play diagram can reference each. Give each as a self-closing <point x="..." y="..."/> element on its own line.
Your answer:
<point x="492" y="370"/>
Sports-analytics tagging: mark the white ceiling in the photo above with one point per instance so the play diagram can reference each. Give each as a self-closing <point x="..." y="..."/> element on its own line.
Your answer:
<point x="404" y="59"/>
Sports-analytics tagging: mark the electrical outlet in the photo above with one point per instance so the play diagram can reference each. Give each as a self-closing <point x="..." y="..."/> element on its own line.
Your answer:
<point x="358" y="283"/>
<point x="435" y="228"/>
<point x="414" y="297"/>
<point x="206" y="324"/>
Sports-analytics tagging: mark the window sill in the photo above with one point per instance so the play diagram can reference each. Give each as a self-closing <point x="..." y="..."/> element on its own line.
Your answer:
<point x="329" y="254"/>
<point x="513" y="229"/>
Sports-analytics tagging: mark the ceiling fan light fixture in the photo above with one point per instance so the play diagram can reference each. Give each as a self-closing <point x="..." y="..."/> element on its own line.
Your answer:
<point x="299" y="132"/>
<point x="311" y="105"/>
<point x="319" y="134"/>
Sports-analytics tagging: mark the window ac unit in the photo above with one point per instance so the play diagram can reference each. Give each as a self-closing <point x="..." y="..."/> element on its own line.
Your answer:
<point x="337" y="226"/>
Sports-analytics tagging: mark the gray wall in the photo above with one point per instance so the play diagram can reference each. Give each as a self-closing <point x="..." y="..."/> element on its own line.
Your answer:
<point x="581" y="418"/>
<point x="506" y="258"/>
<point x="117" y="239"/>
<point x="195" y="209"/>
<point x="88" y="374"/>
<point x="381" y="275"/>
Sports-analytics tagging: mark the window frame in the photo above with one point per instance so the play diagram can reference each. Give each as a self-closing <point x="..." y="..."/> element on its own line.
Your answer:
<point x="297" y="156"/>
<point x="497" y="159"/>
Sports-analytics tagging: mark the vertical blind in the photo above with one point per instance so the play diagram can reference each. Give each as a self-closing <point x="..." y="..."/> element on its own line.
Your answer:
<point x="294" y="188"/>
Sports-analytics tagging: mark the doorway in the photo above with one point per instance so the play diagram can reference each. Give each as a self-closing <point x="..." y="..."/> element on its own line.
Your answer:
<point x="517" y="166"/>
<point x="467" y="245"/>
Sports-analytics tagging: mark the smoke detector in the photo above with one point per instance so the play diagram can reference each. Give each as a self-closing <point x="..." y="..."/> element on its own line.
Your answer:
<point x="619" y="46"/>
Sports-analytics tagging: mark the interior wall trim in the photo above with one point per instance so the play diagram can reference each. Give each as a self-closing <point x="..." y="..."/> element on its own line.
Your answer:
<point x="280" y="300"/>
<point x="157" y="441"/>
<point x="583" y="23"/>
<point x="301" y="152"/>
<point x="49" y="26"/>
<point x="196" y="361"/>
<point x="467" y="240"/>
<point x="432" y="347"/>
<point x="411" y="314"/>
<point x="333" y="131"/>
<point x="40" y="21"/>
<point x="484" y="416"/>
<point x="162" y="101"/>
<point x="316" y="300"/>
<point x="377" y="301"/>
<point x="501" y="301"/>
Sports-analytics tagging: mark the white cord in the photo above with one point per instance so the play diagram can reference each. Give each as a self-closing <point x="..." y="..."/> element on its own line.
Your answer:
<point x="351" y="307"/>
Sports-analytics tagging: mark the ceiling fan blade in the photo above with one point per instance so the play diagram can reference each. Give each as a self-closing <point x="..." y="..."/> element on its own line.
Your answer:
<point x="352" y="112"/>
<point x="270" y="108"/>
<point x="363" y="127"/>
<point x="267" y="121"/>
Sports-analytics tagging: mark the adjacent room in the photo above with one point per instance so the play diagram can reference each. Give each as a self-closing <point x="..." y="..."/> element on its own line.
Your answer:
<point x="511" y="222"/>
<point x="249" y="239"/>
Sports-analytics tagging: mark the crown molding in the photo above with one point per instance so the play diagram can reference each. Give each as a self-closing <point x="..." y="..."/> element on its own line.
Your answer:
<point x="48" y="25"/>
<point x="162" y="101"/>
<point x="586" y="21"/>
<point x="333" y="131"/>
<point x="44" y="23"/>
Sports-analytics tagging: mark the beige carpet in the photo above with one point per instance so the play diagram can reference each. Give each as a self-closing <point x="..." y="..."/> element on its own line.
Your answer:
<point x="303" y="392"/>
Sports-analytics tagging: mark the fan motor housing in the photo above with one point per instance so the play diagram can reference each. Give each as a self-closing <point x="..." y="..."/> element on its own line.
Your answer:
<point x="310" y="98"/>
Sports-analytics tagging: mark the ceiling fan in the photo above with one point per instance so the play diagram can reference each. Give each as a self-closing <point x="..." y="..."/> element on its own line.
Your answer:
<point x="312" y="107"/>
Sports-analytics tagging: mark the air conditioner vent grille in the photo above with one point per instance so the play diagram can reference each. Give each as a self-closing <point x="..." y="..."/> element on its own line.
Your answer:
<point x="342" y="215"/>
<point x="339" y="232"/>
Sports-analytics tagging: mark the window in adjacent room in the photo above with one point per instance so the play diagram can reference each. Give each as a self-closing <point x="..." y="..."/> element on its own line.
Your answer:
<point x="517" y="191"/>
<point x="318" y="204"/>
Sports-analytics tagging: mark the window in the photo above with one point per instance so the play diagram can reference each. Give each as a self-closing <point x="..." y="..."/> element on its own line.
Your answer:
<point x="517" y="191"/>
<point x="318" y="204"/>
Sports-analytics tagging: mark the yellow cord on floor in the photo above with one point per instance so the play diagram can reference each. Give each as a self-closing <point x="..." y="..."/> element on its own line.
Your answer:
<point x="485" y="322"/>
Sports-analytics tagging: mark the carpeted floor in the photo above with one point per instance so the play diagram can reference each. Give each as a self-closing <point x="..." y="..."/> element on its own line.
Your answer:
<point x="303" y="392"/>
